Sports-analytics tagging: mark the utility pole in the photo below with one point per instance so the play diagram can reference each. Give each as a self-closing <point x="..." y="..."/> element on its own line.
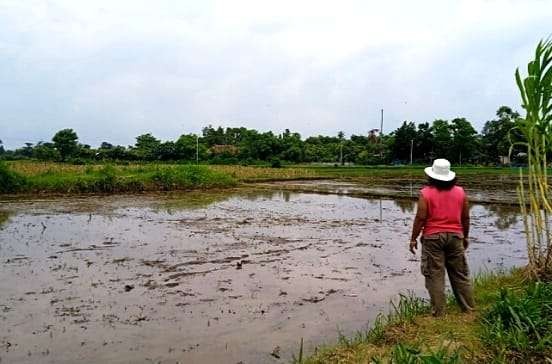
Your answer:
<point x="381" y="136"/>
<point x="197" y="149"/>
<point x="411" y="149"/>
<point x="381" y="128"/>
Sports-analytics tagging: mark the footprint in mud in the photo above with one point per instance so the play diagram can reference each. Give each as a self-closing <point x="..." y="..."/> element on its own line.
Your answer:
<point x="318" y="298"/>
<point x="121" y="260"/>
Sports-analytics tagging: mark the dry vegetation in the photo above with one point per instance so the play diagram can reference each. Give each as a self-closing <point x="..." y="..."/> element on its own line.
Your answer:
<point x="241" y="173"/>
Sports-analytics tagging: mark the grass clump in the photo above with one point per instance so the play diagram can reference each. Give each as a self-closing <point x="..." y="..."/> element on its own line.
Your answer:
<point x="10" y="181"/>
<point x="190" y="176"/>
<point x="405" y="354"/>
<point x="519" y="326"/>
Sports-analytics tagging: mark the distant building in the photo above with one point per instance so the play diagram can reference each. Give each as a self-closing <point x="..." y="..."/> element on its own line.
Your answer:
<point x="373" y="136"/>
<point x="504" y="159"/>
<point x="224" y="149"/>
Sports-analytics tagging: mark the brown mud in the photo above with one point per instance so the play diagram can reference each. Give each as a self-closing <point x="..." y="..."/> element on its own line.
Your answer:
<point x="211" y="277"/>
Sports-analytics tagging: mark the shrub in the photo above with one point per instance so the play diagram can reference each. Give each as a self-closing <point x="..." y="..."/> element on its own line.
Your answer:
<point x="77" y="161"/>
<point x="107" y="181"/>
<point x="10" y="181"/>
<point x="165" y="178"/>
<point x="275" y="163"/>
<point x="190" y="176"/>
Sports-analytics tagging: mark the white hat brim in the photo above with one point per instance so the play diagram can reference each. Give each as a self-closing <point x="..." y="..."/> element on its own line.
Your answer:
<point x="447" y="178"/>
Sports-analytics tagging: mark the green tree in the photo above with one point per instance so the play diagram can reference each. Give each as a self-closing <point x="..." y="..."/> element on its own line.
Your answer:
<point x="423" y="144"/>
<point x="442" y="139"/>
<point x="359" y="149"/>
<point x="213" y="136"/>
<point x="496" y="134"/>
<point x="403" y="137"/>
<point x="464" y="141"/>
<point x="146" y="147"/>
<point x="166" y="151"/>
<point x="46" y="151"/>
<point x="109" y="151"/>
<point x="292" y="147"/>
<point x="85" y="152"/>
<point x="322" y="149"/>
<point x="65" y="141"/>
<point x="185" y="147"/>
<point x="26" y="151"/>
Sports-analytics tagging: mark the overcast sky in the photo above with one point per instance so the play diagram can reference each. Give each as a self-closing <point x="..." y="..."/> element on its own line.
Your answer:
<point x="115" y="69"/>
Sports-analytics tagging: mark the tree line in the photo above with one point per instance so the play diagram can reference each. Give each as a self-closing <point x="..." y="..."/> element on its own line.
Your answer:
<point x="455" y="140"/>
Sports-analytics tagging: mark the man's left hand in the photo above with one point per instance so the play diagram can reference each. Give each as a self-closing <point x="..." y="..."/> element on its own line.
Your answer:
<point x="413" y="246"/>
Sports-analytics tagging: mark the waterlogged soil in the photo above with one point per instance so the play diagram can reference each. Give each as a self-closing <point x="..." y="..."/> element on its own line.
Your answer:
<point x="217" y="277"/>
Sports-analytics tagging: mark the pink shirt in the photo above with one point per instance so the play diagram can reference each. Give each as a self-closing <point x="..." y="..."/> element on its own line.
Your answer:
<point x="444" y="210"/>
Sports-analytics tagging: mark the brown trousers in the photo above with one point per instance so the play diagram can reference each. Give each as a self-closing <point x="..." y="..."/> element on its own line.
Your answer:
<point x="440" y="251"/>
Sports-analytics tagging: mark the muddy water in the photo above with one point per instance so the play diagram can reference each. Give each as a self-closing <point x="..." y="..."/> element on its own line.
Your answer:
<point x="209" y="277"/>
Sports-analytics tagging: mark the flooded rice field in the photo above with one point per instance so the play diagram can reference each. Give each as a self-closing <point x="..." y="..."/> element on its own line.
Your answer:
<point x="499" y="189"/>
<point x="205" y="277"/>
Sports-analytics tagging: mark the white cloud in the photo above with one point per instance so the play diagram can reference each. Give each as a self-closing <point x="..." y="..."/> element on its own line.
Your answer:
<point x="114" y="69"/>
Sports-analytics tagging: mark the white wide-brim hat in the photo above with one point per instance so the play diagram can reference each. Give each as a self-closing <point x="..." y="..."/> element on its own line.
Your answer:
<point x="440" y="170"/>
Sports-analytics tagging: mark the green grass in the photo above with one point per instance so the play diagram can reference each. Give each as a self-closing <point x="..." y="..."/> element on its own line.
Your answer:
<point x="518" y="326"/>
<point x="50" y="177"/>
<point x="512" y="327"/>
<point x="109" y="179"/>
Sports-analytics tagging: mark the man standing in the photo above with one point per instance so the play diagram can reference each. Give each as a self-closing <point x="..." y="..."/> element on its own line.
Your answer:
<point x="444" y="221"/>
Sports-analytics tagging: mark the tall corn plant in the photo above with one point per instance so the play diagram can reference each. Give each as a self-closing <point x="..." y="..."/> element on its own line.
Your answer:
<point x="536" y="197"/>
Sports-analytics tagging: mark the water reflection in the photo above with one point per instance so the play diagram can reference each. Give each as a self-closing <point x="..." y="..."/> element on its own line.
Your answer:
<point x="406" y="206"/>
<point x="190" y="201"/>
<point x="200" y="200"/>
<point x="264" y="195"/>
<point x="286" y="195"/>
<point x="4" y="218"/>
<point x="506" y="215"/>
